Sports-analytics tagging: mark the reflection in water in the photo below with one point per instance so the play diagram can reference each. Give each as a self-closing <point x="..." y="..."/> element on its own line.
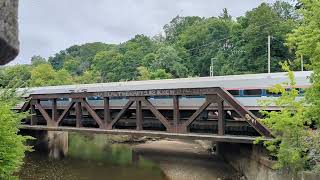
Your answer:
<point x="97" y="157"/>
<point x="90" y="157"/>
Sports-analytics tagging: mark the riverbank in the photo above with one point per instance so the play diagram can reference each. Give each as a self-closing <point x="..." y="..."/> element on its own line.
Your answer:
<point x="186" y="160"/>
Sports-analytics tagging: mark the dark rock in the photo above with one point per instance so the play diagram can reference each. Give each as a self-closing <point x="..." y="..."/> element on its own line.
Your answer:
<point x="9" y="43"/>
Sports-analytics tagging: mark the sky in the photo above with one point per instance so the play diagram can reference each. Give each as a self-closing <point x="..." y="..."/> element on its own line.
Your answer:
<point x="49" y="26"/>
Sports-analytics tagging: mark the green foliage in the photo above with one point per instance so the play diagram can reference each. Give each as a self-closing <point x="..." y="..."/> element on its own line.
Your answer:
<point x="45" y="75"/>
<point x="12" y="145"/>
<point x="145" y="74"/>
<point x="15" y="74"/>
<point x="293" y="144"/>
<point x="305" y="40"/>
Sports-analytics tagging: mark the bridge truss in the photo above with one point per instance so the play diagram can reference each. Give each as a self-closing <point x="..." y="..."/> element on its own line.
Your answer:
<point x="139" y="101"/>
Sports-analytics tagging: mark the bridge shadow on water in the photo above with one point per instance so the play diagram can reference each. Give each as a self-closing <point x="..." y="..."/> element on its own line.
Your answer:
<point x="119" y="157"/>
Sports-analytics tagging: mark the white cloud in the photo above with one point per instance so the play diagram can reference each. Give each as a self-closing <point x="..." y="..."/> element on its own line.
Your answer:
<point x="48" y="26"/>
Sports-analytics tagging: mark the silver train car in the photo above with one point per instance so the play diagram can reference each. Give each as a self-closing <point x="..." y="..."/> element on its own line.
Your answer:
<point x="249" y="89"/>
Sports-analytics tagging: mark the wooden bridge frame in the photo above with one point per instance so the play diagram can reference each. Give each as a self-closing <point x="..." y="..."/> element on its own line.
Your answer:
<point x="78" y="100"/>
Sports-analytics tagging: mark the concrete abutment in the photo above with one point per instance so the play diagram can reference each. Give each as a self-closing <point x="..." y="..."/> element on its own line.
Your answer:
<point x="252" y="161"/>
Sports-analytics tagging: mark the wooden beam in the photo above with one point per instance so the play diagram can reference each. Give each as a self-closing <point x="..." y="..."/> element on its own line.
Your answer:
<point x="54" y="110"/>
<point x="78" y="114"/>
<point x="244" y="113"/>
<point x="107" y="114"/>
<point x="189" y="136"/>
<point x="139" y="117"/>
<point x="132" y="93"/>
<point x="197" y="113"/>
<point x="158" y="115"/>
<point x="123" y="110"/>
<point x="64" y="113"/>
<point x="26" y="106"/>
<point x="92" y="113"/>
<point x="43" y="113"/>
<point x="221" y="118"/>
<point x="176" y="112"/>
<point x="33" y="120"/>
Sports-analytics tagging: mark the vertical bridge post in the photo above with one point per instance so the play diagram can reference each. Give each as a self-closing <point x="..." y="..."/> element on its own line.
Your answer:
<point x="106" y="110"/>
<point x="139" y="116"/>
<point x="176" y="113"/>
<point x="221" y="118"/>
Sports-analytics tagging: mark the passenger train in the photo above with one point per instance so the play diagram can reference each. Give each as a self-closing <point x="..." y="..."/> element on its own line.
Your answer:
<point x="248" y="89"/>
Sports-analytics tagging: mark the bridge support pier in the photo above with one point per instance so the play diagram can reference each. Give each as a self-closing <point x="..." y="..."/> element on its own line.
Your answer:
<point x="57" y="144"/>
<point x="53" y="143"/>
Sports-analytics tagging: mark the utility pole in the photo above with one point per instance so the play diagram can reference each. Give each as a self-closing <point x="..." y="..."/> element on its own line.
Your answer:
<point x="211" y="67"/>
<point x="269" y="54"/>
<point x="301" y="62"/>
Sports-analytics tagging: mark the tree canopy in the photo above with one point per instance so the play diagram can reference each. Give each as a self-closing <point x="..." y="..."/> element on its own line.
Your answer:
<point x="184" y="49"/>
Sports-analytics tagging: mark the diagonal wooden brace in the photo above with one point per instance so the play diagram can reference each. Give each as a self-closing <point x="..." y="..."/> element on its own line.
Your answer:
<point x="45" y="115"/>
<point x="92" y="113"/>
<point x="120" y="114"/>
<point x="64" y="113"/>
<point x="158" y="115"/>
<point x="244" y="113"/>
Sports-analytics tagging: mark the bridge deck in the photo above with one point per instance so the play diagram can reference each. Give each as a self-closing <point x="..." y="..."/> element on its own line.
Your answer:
<point x="195" y="136"/>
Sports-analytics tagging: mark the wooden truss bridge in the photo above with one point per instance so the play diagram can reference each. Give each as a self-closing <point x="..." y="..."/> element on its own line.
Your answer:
<point x="47" y="113"/>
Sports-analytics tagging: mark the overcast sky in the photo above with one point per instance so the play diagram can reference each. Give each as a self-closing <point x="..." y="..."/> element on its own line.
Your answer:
<point x="48" y="26"/>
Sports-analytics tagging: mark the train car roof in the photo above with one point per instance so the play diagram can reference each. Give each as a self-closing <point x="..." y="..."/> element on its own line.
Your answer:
<point x="248" y="81"/>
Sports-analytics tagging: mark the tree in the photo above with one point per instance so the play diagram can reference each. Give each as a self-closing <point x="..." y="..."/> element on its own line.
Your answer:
<point x="88" y="77"/>
<point x="296" y="144"/>
<point x="45" y="75"/>
<point x="225" y="15"/>
<point x="178" y="25"/>
<point x="12" y="145"/>
<point x="305" y="40"/>
<point x="11" y="75"/>
<point x="256" y="26"/>
<point x="167" y="58"/>
<point x="145" y="74"/>
<point x="37" y="60"/>
<point x="109" y="65"/>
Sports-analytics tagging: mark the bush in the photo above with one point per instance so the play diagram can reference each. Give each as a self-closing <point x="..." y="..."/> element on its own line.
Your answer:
<point x="12" y="145"/>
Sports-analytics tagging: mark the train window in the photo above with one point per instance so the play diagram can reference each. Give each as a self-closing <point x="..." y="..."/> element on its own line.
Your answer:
<point x="94" y="98"/>
<point x="301" y="91"/>
<point x="234" y="92"/>
<point x="252" y="92"/>
<point x="161" y="97"/>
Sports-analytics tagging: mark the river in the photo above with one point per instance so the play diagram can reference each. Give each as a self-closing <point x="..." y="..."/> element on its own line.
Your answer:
<point x="102" y="157"/>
